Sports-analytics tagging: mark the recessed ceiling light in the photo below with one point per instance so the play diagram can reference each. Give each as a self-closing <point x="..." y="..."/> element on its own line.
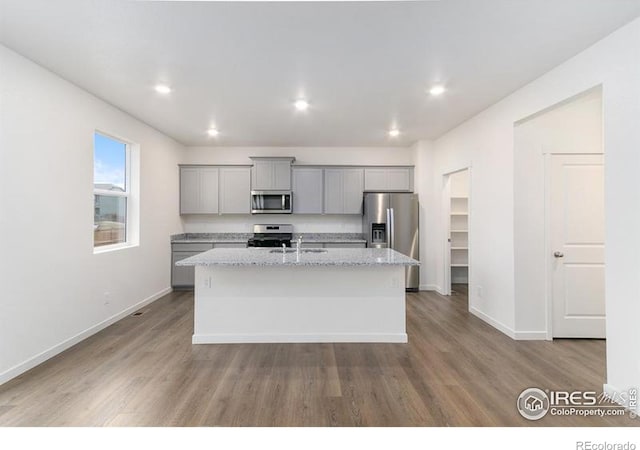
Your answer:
<point x="162" y="89"/>
<point x="213" y="132"/>
<point x="437" y="90"/>
<point x="301" y="104"/>
<point x="394" y="132"/>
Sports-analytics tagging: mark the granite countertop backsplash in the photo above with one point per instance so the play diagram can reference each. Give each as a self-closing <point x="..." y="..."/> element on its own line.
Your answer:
<point x="243" y="237"/>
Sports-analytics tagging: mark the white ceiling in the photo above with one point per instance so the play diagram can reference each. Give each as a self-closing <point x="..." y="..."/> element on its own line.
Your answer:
<point x="364" y="66"/>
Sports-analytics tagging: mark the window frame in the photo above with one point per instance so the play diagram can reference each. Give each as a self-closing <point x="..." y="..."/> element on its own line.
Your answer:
<point x="126" y="194"/>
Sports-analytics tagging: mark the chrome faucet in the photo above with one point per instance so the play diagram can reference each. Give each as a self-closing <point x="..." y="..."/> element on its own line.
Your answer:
<point x="284" y="248"/>
<point x="299" y="242"/>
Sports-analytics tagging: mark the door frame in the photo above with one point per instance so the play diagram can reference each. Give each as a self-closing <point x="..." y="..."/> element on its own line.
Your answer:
<point x="548" y="270"/>
<point x="446" y="227"/>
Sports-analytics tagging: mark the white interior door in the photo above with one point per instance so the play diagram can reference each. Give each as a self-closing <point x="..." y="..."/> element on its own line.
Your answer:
<point x="577" y="246"/>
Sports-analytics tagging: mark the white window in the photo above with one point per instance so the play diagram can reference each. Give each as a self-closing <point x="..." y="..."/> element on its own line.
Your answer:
<point x="112" y="193"/>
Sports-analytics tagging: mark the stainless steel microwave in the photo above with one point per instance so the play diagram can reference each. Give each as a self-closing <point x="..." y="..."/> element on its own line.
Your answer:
<point x="271" y="202"/>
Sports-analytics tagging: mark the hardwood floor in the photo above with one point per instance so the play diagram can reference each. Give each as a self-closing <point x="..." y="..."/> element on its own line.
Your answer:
<point x="455" y="370"/>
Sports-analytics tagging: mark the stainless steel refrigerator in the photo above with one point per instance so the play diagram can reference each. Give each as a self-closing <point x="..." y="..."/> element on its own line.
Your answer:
<point x="390" y="220"/>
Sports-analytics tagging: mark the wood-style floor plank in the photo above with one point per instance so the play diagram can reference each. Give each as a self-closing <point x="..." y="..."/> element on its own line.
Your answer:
<point x="456" y="370"/>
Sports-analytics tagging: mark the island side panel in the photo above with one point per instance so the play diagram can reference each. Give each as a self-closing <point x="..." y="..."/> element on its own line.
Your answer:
<point x="253" y="304"/>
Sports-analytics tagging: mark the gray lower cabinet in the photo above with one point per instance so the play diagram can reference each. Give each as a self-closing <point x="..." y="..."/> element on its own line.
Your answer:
<point x="333" y="245"/>
<point x="345" y="245"/>
<point x="182" y="277"/>
<point x="311" y="244"/>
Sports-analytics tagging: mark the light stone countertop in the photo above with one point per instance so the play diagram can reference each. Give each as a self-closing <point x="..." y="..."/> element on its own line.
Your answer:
<point x="327" y="257"/>
<point x="331" y="238"/>
<point x="206" y="238"/>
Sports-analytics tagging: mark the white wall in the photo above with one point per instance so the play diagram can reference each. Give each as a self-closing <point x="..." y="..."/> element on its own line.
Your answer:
<point x="423" y="186"/>
<point x="52" y="284"/>
<point x="486" y="142"/>
<point x="304" y="156"/>
<point x="572" y="127"/>
<point x="459" y="184"/>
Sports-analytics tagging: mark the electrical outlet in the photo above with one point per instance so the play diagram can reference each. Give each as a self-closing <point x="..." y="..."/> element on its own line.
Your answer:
<point x="207" y="282"/>
<point x="479" y="291"/>
<point x="395" y="282"/>
<point x="107" y="298"/>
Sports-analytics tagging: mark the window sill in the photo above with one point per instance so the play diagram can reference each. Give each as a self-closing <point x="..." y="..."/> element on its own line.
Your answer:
<point x="113" y="248"/>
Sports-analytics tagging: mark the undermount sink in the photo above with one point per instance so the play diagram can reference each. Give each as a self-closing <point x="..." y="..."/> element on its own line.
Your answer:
<point x="304" y="250"/>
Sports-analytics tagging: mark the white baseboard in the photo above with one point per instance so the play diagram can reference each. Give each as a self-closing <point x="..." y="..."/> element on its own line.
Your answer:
<point x="530" y="335"/>
<point x="428" y="287"/>
<point x="513" y="334"/>
<point x="296" y="338"/>
<point x="431" y="287"/>
<point x="494" y="323"/>
<point x="62" y="346"/>
<point x="620" y="397"/>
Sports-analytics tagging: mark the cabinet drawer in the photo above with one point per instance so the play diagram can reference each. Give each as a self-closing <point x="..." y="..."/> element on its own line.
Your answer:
<point x="309" y="244"/>
<point x="195" y="247"/>
<point x="345" y="245"/>
<point x="229" y="245"/>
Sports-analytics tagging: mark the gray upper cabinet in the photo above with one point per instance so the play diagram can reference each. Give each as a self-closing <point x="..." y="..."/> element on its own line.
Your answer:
<point x="282" y="175"/>
<point x="388" y="179"/>
<point x="343" y="189"/>
<point x="198" y="190"/>
<point x="271" y="174"/>
<point x="333" y="191"/>
<point x="235" y="190"/>
<point x="307" y="190"/>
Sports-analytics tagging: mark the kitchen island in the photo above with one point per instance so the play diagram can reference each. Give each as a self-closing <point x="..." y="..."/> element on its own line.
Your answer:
<point x="311" y="295"/>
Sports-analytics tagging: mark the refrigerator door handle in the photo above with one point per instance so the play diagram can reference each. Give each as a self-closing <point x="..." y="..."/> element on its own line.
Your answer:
<point x="392" y="230"/>
<point x="388" y="228"/>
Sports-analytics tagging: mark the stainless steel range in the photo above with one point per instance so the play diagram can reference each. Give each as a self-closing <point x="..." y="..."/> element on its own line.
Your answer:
<point x="271" y="235"/>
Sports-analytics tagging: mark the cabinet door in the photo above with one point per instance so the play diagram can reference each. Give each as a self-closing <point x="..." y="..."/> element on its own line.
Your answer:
<point x="235" y="190"/>
<point x="208" y="190"/>
<point x="399" y="179"/>
<point x="333" y="191"/>
<point x="229" y="245"/>
<point x="345" y="245"/>
<point x="182" y="276"/>
<point x="281" y="175"/>
<point x="262" y="175"/>
<point x="312" y="245"/>
<point x="375" y="180"/>
<point x="353" y="190"/>
<point x="387" y="179"/>
<point x="307" y="191"/>
<point x="189" y="190"/>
